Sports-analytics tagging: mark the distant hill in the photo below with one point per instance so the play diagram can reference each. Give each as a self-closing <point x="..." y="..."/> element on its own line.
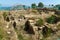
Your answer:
<point x="19" y="7"/>
<point x="5" y="8"/>
<point x="16" y="7"/>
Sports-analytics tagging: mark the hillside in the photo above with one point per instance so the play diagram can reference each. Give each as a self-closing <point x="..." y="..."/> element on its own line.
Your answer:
<point x="30" y="24"/>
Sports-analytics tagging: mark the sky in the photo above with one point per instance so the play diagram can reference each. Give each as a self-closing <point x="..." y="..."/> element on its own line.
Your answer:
<point x="27" y="2"/>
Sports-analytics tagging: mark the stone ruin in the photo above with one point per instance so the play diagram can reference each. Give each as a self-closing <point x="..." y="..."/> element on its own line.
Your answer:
<point x="14" y="24"/>
<point x="28" y="28"/>
<point x="47" y="31"/>
<point x="7" y="19"/>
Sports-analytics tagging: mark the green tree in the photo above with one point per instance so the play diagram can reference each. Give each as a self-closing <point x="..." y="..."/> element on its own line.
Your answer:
<point x="58" y="6"/>
<point x="52" y="5"/>
<point x="40" y="5"/>
<point x="33" y="6"/>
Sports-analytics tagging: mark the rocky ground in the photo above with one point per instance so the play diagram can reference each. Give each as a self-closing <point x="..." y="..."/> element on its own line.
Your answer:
<point x="20" y="25"/>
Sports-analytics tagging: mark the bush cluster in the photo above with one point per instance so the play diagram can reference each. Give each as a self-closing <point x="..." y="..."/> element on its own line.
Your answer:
<point x="53" y="19"/>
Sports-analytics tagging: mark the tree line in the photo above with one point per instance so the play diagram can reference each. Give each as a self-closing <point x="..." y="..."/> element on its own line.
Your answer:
<point x="40" y="5"/>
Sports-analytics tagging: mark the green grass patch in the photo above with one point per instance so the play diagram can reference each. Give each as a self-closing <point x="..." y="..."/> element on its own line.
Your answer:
<point x="39" y="22"/>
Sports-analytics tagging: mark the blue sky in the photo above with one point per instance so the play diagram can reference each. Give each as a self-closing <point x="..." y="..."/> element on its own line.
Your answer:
<point x="27" y="2"/>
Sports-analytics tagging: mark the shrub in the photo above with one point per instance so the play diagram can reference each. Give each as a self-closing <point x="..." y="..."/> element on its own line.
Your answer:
<point x="39" y="22"/>
<point x="46" y="31"/>
<point x="53" y="19"/>
<point x="4" y="15"/>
